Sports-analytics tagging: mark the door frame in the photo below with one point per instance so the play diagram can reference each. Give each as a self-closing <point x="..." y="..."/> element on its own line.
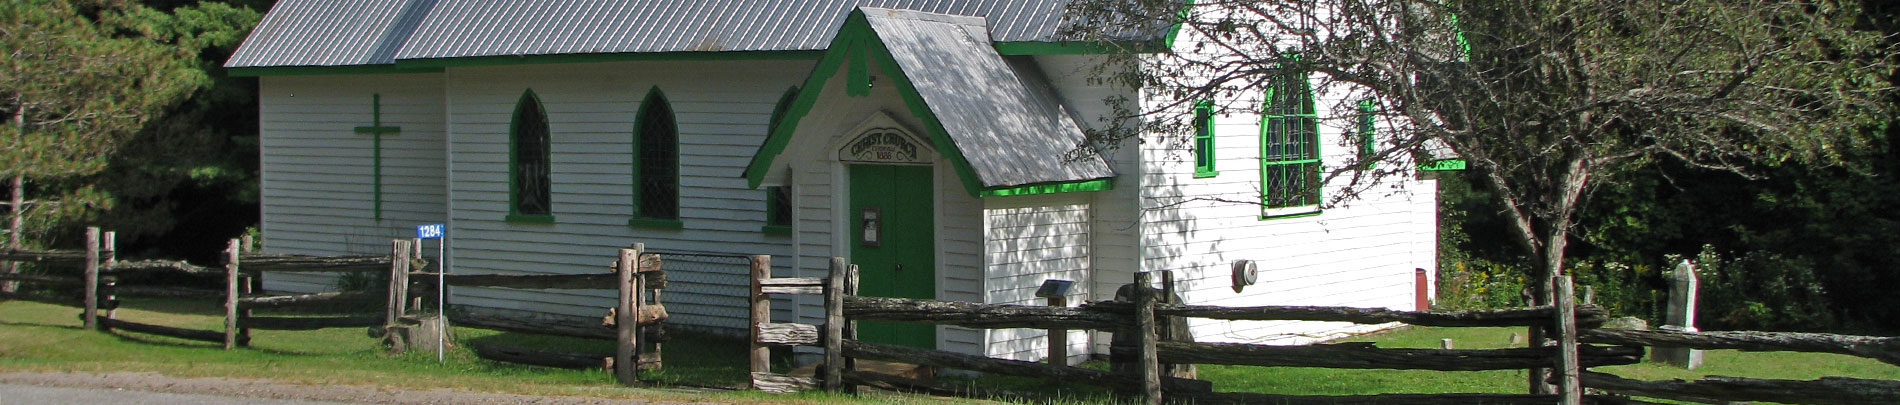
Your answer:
<point x="842" y="219"/>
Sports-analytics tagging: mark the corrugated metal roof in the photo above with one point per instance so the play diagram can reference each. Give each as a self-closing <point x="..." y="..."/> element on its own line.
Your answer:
<point x="1002" y="116"/>
<point x="463" y="28"/>
<point x="379" y="32"/>
<point x="331" y="33"/>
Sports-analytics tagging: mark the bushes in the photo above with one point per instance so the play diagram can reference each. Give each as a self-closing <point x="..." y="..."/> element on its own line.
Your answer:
<point x="1761" y="291"/>
<point x="1466" y="282"/>
<point x="1753" y="291"/>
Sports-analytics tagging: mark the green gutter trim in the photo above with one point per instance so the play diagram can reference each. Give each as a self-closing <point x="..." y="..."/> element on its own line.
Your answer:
<point x="499" y="60"/>
<point x="1051" y="188"/>
<point x="1077" y="47"/>
<point x="324" y="70"/>
<point x="1443" y="165"/>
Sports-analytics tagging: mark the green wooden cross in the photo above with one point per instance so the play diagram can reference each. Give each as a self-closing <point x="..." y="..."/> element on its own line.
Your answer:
<point x="376" y="131"/>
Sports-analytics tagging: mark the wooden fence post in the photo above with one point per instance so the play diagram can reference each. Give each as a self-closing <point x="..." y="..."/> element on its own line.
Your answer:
<point x="92" y="278"/>
<point x="1058" y="337"/>
<point x="834" y="326"/>
<point x="398" y="293"/>
<point x="850" y="326"/>
<point x="231" y="251"/>
<point x="108" y="248"/>
<point x="627" y="316"/>
<point x="1145" y="332"/>
<point x="761" y="314"/>
<point x="108" y="286"/>
<point x="1569" y="386"/>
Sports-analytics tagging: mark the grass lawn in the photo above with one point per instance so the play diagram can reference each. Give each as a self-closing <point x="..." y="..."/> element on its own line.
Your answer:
<point x="46" y="338"/>
<point x="39" y="337"/>
<point x="1319" y="381"/>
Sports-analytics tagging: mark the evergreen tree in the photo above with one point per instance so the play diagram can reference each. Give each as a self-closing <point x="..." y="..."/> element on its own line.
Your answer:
<point x="73" y="91"/>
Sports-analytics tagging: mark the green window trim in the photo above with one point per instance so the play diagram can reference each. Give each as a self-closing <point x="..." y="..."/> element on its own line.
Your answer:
<point x="656" y="223"/>
<point x="776" y="230"/>
<point x="529" y="219"/>
<point x="1289" y="147"/>
<point x="530" y="119"/>
<point x="778" y="206"/>
<point x="1204" y="157"/>
<point x="1301" y="214"/>
<point x="1368" y="128"/>
<point x="655" y="170"/>
<point x="1458" y="37"/>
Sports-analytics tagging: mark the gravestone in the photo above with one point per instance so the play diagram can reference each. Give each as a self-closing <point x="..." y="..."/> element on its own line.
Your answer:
<point x="1680" y="316"/>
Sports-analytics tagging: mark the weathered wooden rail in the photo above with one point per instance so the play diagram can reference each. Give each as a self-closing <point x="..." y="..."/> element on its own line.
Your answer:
<point x="635" y="323"/>
<point x="1142" y="316"/>
<point x="99" y="287"/>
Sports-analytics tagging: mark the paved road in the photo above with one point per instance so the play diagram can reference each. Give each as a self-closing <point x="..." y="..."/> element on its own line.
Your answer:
<point x="32" y="394"/>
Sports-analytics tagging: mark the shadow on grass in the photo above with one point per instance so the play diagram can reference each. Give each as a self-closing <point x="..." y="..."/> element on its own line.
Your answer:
<point x="688" y="358"/>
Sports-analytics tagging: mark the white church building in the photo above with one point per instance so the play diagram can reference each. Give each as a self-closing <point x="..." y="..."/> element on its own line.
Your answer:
<point x="928" y="141"/>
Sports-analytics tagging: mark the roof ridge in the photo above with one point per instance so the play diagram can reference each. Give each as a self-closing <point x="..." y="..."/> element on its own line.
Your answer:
<point x="926" y="16"/>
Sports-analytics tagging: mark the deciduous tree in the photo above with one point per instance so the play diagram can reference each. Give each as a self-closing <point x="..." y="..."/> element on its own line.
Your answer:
<point x="1544" y="99"/>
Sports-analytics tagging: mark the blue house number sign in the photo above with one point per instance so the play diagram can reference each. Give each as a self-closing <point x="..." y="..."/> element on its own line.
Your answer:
<point x="430" y="231"/>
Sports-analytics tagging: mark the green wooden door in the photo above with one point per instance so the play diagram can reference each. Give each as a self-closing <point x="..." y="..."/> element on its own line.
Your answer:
<point x="901" y="262"/>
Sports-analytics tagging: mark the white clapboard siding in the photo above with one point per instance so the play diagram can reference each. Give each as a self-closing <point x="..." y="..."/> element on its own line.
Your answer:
<point x="721" y="108"/>
<point x="1027" y="240"/>
<point x="1360" y="252"/>
<point x="316" y="183"/>
<point x="1115" y="234"/>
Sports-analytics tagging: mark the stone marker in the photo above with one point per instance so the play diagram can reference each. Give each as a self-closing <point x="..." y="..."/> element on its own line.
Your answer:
<point x="1680" y="315"/>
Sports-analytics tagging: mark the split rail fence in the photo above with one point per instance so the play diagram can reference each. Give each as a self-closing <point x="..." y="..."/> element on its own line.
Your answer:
<point x="1144" y="312"/>
<point x="635" y="324"/>
<point x="102" y="273"/>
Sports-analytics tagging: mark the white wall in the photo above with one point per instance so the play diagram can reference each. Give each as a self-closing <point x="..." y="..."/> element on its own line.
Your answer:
<point x="721" y="108"/>
<point x="1359" y="252"/>
<point x="1027" y="240"/>
<point x="316" y="183"/>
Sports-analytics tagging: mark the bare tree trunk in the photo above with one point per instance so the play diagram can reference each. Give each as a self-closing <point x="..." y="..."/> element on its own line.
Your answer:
<point x="1545" y="243"/>
<point x="17" y="192"/>
<point x="1556" y="237"/>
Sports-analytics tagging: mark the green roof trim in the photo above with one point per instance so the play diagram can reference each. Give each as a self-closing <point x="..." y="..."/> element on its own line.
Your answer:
<point x="1443" y="165"/>
<point x="1077" y="47"/>
<point x="324" y="70"/>
<point x="500" y="60"/>
<point x="1051" y="188"/>
<point x="854" y="37"/>
<point x="781" y="133"/>
<point x="1174" y="31"/>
